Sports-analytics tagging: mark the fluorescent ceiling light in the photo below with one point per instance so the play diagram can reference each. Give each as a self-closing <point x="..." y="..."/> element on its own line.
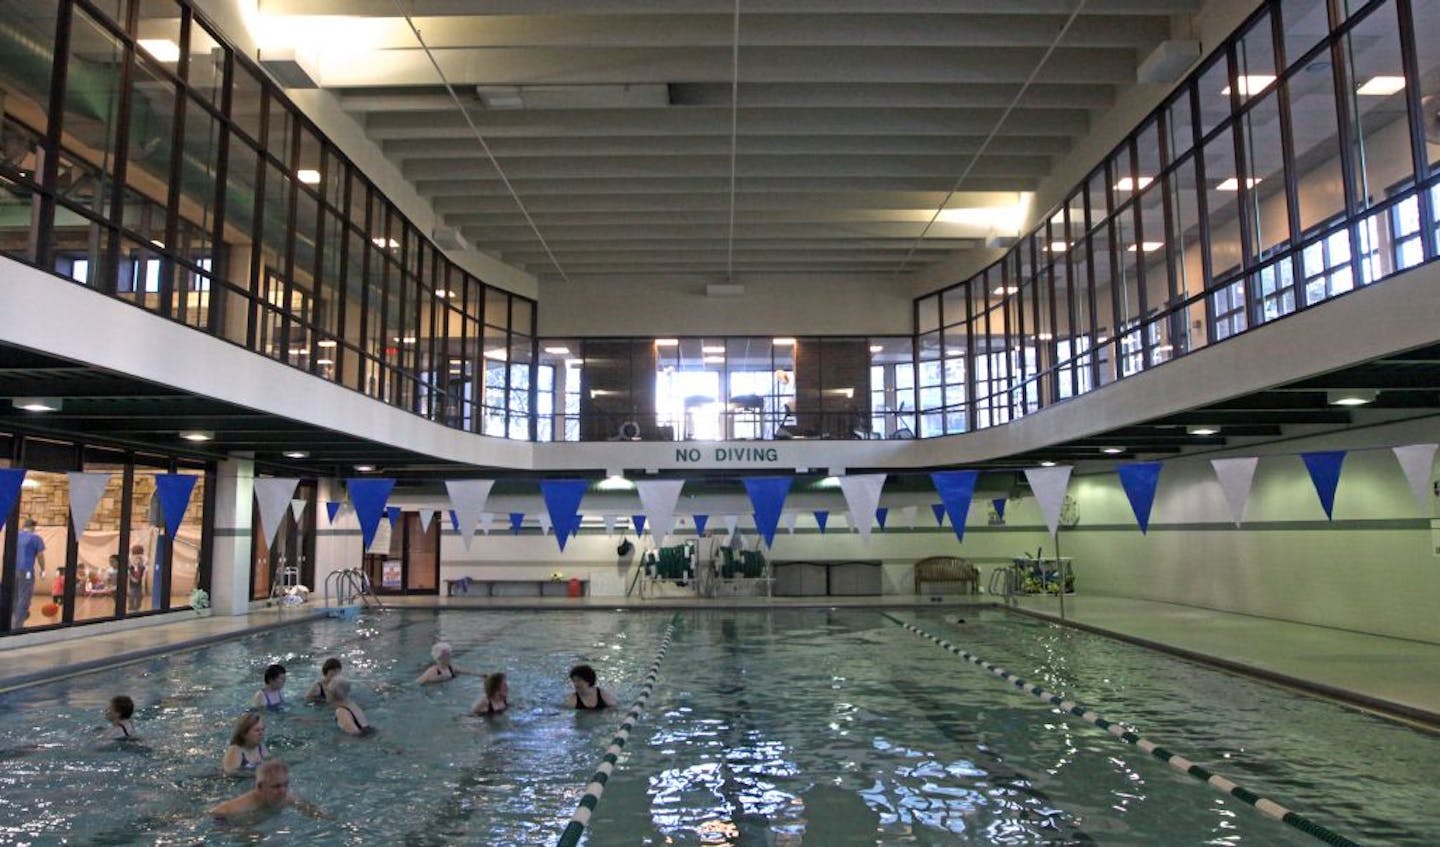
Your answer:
<point x="1147" y="246"/>
<point x="442" y="293"/>
<point x="1233" y="184"/>
<point x="163" y="49"/>
<point x="713" y="360"/>
<point x="783" y="342"/>
<point x="1249" y="84"/>
<point x="558" y="351"/>
<point x="1046" y="336"/>
<point x="197" y="435"/>
<point x="1005" y="289"/>
<point x="364" y="468"/>
<point x="37" y="404"/>
<point x="840" y="392"/>
<point x="329" y="342"/>
<point x="499" y="354"/>
<point x="1127" y="184"/>
<point x="877" y="348"/>
<point x="297" y="454"/>
<point x="615" y="482"/>
<point x="1059" y="246"/>
<point x="1351" y="396"/>
<point x="713" y="348"/>
<point x="1379" y="86"/>
<point x="1112" y="450"/>
<point x="667" y="342"/>
<point x="308" y="176"/>
<point x="574" y="363"/>
<point x="1202" y="429"/>
<point x="385" y="243"/>
<point x="324" y="361"/>
<point x="1047" y="464"/>
<point x="1164" y="348"/>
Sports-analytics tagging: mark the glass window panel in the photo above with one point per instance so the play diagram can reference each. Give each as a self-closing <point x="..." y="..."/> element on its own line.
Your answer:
<point x="1107" y="327"/>
<point x="522" y="314"/>
<point x="245" y="101"/>
<point x="928" y="314"/>
<point x="1095" y="188"/>
<point x="1222" y="208"/>
<point x="27" y="99"/>
<point x="1147" y="142"/>
<point x="1265" y="202"/>
<point x="1377" y="102"/>
<point x="497" y="308"/>
<point x="1213" y="93"/>
<point x="206" y="74"/>
<point x="1255" y="57"/>
<point x="1317" y="147"/>
<point x="1306" y="25"/>
<point x="953" y="308"/>
<point x="39" y="561"/>
<point x="92" y="102"/>
<point x="281" y="127"/>
<point x="1179" y="125"/>
<point x="1427" y="55"/>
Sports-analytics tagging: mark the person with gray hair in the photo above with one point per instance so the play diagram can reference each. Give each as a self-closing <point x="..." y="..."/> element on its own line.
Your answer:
<point x="348" y="714"/>
<point x="270" y="794"/>
<point x="442" y="670"/>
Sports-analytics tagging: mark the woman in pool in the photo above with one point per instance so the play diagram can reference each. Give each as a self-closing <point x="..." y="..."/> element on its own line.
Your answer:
<point x="348" y="715"/>
<point x="587" y="695"/>
<point x="497" y="696"/>
<point x="247" y="745"/>
<point x="442" y="670"/>
<point x="328" y="671"/>
<point x="272" y="696"/>
<point x="118" y="713"/>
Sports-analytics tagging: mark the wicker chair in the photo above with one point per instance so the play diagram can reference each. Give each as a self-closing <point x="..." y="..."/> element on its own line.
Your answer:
<point x="963" y="577"/>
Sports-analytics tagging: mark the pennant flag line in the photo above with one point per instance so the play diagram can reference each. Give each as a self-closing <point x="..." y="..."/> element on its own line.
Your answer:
<point x="1049" y="485"/>
<point x="368" y="496"/>
<point x="273" y="497"/>
<point x="86" y="491"/>
<point x="658" y="498"/>
<point x="700" y="522"/>
<point x="767" y="495"/>
<point x="939" y="511"/>
<point x="880" y="515"/>
<point x="862" y="496"/>
<point x="487" y="522"/>
<point x="822" y="517"/>
<point x="332" y="508"/>
<point x="10" y="481"/>
<point x="517" y="519"/>
<point x="956" y="490"/>
<point x="562" y="502"/>
<point x="789" y="520"/>
<point x="1324" y="468"/>
<point x="732" y="522"/>
<point x="468" y="497"/>
<point x="638" y="521"/>
<point x="1236" y="477"/>
<point x="999" y="506"/>
<point x="1417" y="461"/>
<point x="297" y="508"/>
<point x="426" y="515"/>
<point x="174" y="489"/>
<point x="392" y="513"/>
<point x="1140" y="479"/>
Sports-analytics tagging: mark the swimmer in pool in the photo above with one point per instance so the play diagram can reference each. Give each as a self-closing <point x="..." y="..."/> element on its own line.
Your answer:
<point x="442" y="670"/>
<point x="272" y="696"/>
<point x="247" y="745"/>
<point x="348" y="715"/>
<point x="328" y="671"/>
<point x="587" y="696"/>
<point x="118" y="713"/>
<point x="270" y="794"/>
<point x="496" y="698"/>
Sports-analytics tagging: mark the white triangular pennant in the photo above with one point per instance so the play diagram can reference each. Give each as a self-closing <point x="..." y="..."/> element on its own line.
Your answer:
<point x="1417" y="461"/>
<point x="789" y="520"/>
<point x="1236" y="476"/>
<point x="467" y="498"/>
<point x="381" y="542"/>
<point x="86" y="490"/>
<point x="273" y="496"/>
<point x="1049" y="485"/>
<point x="609" y="524"/>
<point x="658" y="498"/>
<point x="297" y="508"/>
<point x="862" y="495"/>
<point x="487" y="522"/>
<point x="907" y="517"/>
<point x="426" y="516"/>
<point x="544" y="518"/>
<point x="730" y="522"/>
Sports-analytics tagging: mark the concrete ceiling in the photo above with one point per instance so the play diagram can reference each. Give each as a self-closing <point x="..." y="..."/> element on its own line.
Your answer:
<point x="644" y="140"/>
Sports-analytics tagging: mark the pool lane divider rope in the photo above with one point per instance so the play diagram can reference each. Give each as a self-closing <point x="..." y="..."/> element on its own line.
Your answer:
<point x="1266" y="806"/>
<point x="573" y="830"/>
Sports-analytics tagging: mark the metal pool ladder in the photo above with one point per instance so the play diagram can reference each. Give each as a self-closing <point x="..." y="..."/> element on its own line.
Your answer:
<point x="351" y="584"/>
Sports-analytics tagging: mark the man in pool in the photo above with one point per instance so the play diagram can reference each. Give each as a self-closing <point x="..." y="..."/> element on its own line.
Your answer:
<point x="270" y="794"/>
<point x="587" y="696"/>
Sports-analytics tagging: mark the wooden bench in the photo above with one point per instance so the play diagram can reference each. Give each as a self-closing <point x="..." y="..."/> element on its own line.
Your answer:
<point x="953" y="575"/>
<point x="485" y="586"/>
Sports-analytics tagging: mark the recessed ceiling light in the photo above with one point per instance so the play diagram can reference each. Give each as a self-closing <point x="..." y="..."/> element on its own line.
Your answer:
<point x="329" y="342"/>
<point x="1249" y="84"/>
<point x="1047" y="464"/>
<point x="297" y="454"/>
<point x="324" y="361"/>
<point x="713" y="348"/>
<point x="1379" y="86"/>
<point x="385" y="243"/>
<point x="197" y="435"/>
<point x="666" y="342"/>
<point x="309" y="176"/>
<point x="713" y="360"/>
<point x="1233" y="184"/>
<point x="877" y="348"/>
<point x="1202" y="429"/>
<point x="558" y="351"/>
<point x="1005" y="289"/>
<point x="1112" y="450"/>
<point x="1059" y="246"/>
<point x="1046" y="336"/>
<point x="1351" y="396"/>
<point x="442" y="293"/>
<point x="1127" y="184"/>
<point x="38" y="404"/>
<point x="364" y="468"/>
<point x="783" y="342"/>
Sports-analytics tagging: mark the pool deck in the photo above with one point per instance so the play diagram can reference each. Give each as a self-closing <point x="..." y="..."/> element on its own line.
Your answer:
<point x="1390" y="676"/>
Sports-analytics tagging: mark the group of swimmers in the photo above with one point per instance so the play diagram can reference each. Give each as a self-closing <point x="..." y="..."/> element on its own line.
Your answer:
<point x="247" y="752"/>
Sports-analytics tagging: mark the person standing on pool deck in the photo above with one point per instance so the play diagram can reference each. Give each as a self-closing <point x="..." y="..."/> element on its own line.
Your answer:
<point x="29" y="553"/>
<point x="272" y="696"/>
<point x="587" y="696"/>
<point x="328" y="671"/>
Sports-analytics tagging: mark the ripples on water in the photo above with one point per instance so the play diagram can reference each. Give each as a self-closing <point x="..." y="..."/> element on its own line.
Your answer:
<point x="779" y="728"/>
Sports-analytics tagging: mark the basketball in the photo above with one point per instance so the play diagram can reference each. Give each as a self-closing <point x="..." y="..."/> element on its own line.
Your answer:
<point x="49" y="610"/>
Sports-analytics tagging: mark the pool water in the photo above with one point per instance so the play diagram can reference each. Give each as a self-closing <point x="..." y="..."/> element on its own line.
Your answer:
<point x="780" y="727"/>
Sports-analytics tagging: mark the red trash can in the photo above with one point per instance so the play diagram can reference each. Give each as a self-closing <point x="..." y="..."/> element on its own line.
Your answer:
<point x="575" y="588"/>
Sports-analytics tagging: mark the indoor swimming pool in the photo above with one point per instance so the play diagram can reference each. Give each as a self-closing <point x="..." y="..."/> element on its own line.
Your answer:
<point x="774" y="727"/>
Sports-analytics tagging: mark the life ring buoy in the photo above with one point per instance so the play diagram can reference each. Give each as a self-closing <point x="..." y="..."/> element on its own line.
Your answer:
<point x="629" y="431"/>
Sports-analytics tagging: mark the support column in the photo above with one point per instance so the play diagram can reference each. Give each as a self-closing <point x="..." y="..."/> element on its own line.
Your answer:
<point x="230" y="570"/>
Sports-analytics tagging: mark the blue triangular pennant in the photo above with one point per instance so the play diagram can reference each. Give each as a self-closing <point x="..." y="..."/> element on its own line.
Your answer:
<point x="822" y="517"/>
<point x="938" y="509"/>
<point x="999" y="504"/>
<point x="174" y="489"/>
<point x="956" y="489"/>
<point x="1140" y="480"/>
<point x="562" y="500"/>
<point x="332" y="508"/>
<point x="368" y="496"/>
<point x="10" y="480"/>
<point x="517" y="519"/>
<point x="454" y="521"/>
<point x="880" y="515"/>
<point x="1324" y="467"/>
<point x="393" y="514"/>
<point x="767" y="495"/>
<point x="638" y="521"/>
<point x="700" y="521"/>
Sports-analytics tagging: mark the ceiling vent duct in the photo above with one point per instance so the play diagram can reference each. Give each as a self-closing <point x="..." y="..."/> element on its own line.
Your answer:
<point x="289" y="67"/>
<point x="449" y="238"/>
<point x="717" y="289"/>
<point x="1168" y="62"/>
<point x="639" y="96"/>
